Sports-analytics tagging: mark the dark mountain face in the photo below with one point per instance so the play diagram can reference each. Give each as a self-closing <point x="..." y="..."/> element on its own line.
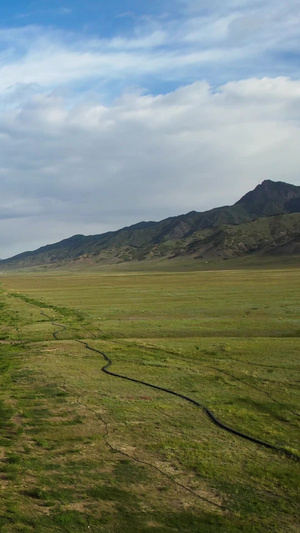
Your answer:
<point x="271" y="198"/>
<point x="222" y="232"/>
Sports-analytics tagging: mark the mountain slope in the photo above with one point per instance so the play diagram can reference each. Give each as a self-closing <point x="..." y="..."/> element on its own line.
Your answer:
<point x="274" y="234"/>
<point x="271" y="198"/>
<point x="266" y="219"/>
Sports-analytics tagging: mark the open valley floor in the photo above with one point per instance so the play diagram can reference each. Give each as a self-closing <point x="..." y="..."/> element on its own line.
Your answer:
<point x="82" y="450"/>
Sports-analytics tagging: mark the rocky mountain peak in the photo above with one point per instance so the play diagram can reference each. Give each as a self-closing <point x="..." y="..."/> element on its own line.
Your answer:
<point x="271" y="197"/>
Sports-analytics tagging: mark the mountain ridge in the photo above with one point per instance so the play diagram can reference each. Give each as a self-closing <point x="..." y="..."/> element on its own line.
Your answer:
<point x="265" y="219"/>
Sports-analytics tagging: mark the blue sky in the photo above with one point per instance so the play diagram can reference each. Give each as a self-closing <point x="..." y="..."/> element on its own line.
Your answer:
<point x="156" y="46"/>
<point x="116" y="112"/>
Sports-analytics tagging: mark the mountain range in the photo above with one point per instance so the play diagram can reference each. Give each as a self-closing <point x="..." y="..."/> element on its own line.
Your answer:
<point x="265" y="221"/>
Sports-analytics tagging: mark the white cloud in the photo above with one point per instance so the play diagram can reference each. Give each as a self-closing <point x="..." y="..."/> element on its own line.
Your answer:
<point x="93" y="138"/>
<point x="212" y="41"/>
<point x="91" y="168"/>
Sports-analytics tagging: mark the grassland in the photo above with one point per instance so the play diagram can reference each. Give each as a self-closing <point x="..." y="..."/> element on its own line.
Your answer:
<point x="83" y="451"/>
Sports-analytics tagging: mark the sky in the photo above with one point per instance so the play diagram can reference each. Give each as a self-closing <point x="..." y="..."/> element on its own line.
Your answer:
<point x="116" y="112"/>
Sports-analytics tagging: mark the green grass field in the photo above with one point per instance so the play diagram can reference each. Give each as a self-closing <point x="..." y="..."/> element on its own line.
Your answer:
<point x="84" y="451"/>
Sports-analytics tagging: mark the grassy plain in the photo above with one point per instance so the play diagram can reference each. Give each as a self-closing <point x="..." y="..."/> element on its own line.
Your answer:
<point x="83" y="451"/>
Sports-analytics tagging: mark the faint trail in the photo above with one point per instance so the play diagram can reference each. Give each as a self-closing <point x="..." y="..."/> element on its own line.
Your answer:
<point x="253" y="387"/>
<point x="259" y="364"/>
<point x="150" y="465"/>
<point x="235" y="377"/>
<point x="207" y="411"/>
<point x="121" y="452"/>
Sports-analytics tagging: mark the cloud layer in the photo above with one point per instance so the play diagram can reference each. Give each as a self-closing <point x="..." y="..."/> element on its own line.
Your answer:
<point x="94" y="167"/>
<point x="185" y="107"/>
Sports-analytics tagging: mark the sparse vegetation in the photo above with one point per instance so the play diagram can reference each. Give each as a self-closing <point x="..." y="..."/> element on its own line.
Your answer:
<point x="81" y="450"/>
<point x="264" y="223"/>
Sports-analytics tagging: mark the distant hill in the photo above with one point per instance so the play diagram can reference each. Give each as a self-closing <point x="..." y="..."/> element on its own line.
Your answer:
<point x="265" y="220"/>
